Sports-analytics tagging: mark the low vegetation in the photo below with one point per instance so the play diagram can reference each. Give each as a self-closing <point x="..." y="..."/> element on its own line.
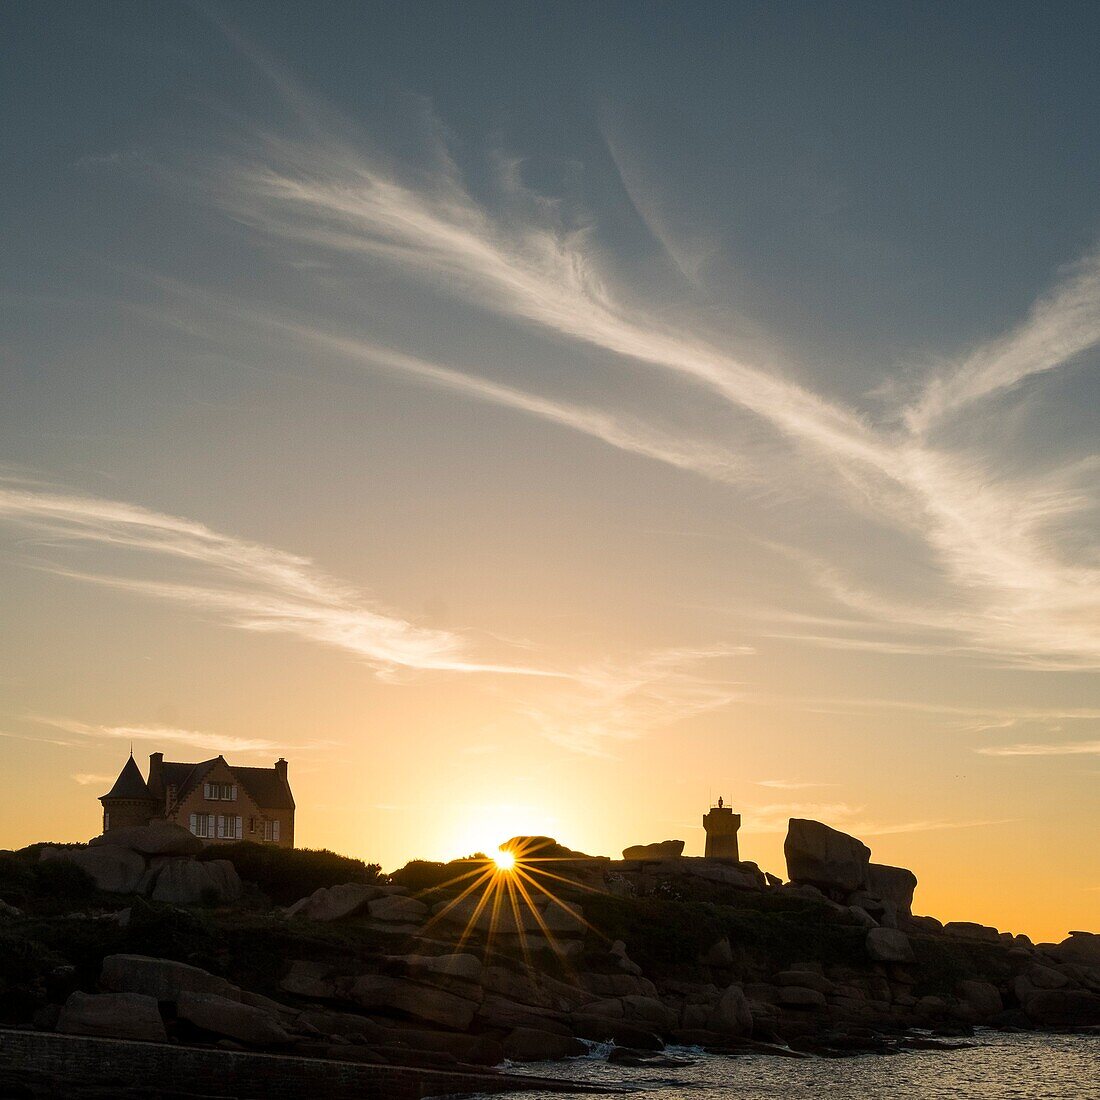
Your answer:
<point x="287" y="874"/>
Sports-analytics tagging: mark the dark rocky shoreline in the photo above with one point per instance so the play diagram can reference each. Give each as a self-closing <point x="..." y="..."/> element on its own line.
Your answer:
<point x="404" y="970"/>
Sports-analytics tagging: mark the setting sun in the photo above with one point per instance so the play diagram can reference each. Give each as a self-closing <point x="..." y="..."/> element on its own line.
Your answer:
<point x="505" y="860"/>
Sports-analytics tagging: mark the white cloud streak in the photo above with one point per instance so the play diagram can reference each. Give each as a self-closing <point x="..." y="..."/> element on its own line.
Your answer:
<point x="1066" y="748"/>
<point x="156" y="735"/>
<point x="615" y="702"/>
<point x="250" y="586"/>
<point x="1060" y="326"/>
<point x="1009" y="593"/>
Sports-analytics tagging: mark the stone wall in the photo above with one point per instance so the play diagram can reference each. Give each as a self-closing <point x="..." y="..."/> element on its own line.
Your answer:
<point x="207" y="1072"/>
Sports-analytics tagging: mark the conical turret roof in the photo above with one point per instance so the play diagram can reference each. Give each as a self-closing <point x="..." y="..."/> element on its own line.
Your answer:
<point x="129" y="783"/>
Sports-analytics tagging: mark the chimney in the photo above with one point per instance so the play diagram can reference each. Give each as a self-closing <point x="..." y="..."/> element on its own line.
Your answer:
<point x="156" y="774"/>
<point x="280" y="767"/>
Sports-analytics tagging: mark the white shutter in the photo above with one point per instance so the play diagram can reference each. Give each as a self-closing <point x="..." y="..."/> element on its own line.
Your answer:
<point x="275" y="830"/>
<point x="221" y="827"/>
<point x="233" y="792"/>
<point x="195" y="824"/>
<point x="240" y="833"/>
<point x="206" y="791"/>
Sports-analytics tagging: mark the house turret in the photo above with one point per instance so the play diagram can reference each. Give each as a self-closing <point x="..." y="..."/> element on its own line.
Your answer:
<point x="129" y="801"/>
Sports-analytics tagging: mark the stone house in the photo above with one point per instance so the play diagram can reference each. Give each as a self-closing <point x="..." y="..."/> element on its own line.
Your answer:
<point x="215" y="800"/>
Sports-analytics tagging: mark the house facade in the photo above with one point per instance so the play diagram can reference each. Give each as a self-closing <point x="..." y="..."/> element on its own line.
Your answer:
<point x="216" y="801"/>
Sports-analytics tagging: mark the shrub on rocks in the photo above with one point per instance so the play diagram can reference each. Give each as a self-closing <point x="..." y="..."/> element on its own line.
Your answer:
<point x="287" y="874"/>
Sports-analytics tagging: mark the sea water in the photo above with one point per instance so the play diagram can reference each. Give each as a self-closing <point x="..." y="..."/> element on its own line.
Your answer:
<point x="993" y="1065"/>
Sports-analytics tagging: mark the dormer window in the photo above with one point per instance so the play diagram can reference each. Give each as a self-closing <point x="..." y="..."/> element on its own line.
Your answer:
<point x="220" y="792"/>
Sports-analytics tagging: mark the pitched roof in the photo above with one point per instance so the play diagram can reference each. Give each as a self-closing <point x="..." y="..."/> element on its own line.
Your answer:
<point x="269" y="790"/>
<point x="184" y="777"/>
<point x="129" y="783"/>
<point x="266" y="786"/>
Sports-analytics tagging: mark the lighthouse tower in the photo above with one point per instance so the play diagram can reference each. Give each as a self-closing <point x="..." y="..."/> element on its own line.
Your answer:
<point x="721" y="824"/>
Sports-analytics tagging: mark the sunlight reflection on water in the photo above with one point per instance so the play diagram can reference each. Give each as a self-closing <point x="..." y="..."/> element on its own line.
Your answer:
<point x="1005" y="1067"/>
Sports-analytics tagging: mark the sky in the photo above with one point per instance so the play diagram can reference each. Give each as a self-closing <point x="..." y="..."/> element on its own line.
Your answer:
<point x="546" y="418"/>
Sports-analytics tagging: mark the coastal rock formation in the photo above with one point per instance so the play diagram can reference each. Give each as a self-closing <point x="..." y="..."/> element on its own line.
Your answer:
<point x="331" y="903"/>
<point x="231" y="1019"/>
<point x="114" y="1015"/>
<point x="154" y="861"/>
<point x="115" y="870"/>
<point x="639" y="952"/>
<point x="731" y="1014"/>
<point x="888" y="945"/>
<point x="189" y="882"/>
<point x="892" y="885"/>
<point x="1081" y="947"/>
<point x="162" y="838"/>
<point x="662" y="849"/>
<point x="161" y="979"/>
<point x="824" y="857"/>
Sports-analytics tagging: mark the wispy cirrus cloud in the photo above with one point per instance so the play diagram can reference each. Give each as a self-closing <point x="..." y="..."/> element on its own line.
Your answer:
<point x="790" y="784"/>
<point x="1064" y="748"/>
<point x="613" y="702"/>
<point x="86" y="779"/>
<point x="250" y="586"/>
<point x="257" y="588"/>
<point x="774" y="818"/>
<point x="156" y="735"/>
<point x="1060" y="326"/>
<point x="1009" y="587"/>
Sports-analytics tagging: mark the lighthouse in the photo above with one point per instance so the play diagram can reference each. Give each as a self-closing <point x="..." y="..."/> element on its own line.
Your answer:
<point x="721" y="825"/>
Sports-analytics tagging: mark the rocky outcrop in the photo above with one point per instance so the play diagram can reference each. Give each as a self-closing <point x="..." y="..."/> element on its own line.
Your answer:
<point x="1082" y="948"/>
<point x="1063" y="1008"/>
<point x="154" y="861"/>
<point x="114" y="870"/>
<point x="983" y="997"/>
<point x="888" y="945"/>
<point x="162" y="838"/>
<point x="526" y="1044"/>
<point x="662" y="849"/>
<point x="421" y="1002"/>
<point x="892" y="885"/>
<point x="397" y="909"/>
<point x="826" y="858"/>
<point x="113" y="1015"/>
<point x="231" y="1019"/>
<point x="968" y="930"/>
<point x="731" y="1014"/>
<point x="161" y="979"/>
<point x="193" y="883"/>
<point x="331" y="903"/>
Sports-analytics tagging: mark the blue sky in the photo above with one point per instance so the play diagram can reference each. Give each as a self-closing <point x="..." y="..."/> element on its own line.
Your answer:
<point x="708" y="385"/>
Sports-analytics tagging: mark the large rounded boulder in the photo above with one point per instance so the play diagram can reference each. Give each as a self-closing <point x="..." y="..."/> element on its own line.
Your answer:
<point x="161" y="838"/>
<point x="826" y="858"/>
<point x="114" y="870"/>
